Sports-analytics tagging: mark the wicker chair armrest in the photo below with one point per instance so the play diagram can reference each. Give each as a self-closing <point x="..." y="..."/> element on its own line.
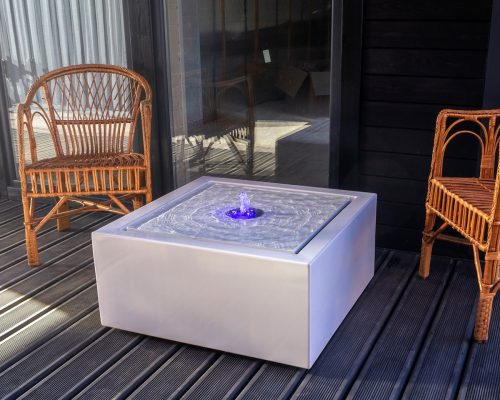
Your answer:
<point x="29" y="115"/>
<point x="146" y="115"/>
<point x="21" y="126"/>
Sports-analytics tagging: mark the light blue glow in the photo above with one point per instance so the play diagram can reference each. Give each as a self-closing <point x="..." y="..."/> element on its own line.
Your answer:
<point x="245" y="211"/>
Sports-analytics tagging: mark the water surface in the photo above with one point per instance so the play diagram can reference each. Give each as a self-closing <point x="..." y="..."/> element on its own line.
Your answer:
<point x="289" y="221"/>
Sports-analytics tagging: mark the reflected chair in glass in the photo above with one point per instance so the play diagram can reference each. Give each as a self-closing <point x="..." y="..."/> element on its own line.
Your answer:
<point x="76" y="139"/>
<point x="469" y="206"/>
<point x="234" y="127"/>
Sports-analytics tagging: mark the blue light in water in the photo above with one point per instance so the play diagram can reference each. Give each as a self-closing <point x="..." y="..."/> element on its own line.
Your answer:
<point x="245" y="211"/>
<point x="250" y="213"/>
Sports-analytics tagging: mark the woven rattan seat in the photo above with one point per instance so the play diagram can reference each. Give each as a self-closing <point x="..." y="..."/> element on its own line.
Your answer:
<point x="477" y="193"/>
<point x="470" y="206"/>
<point x="76" y="133"/>
<point x="98" y="161"/>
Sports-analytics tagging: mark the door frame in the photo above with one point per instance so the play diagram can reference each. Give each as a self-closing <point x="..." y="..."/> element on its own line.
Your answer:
<point x="7" y="161"/>
<point x="345" y="92"/>
<point x="148" y="55"/>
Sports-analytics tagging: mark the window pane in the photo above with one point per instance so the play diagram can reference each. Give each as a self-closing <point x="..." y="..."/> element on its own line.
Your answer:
<point x="250" y="89"/>
<point x="39" y="36"/>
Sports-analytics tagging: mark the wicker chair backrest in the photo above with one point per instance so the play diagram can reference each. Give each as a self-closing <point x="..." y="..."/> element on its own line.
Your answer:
<point x="86" y="109"/>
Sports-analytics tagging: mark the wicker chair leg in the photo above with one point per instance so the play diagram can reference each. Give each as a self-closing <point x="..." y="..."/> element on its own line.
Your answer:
<point x="427" y="244"/>
<point x="63" y="223"/>
<point x="137" y="202"/>
<point x="29" y="233"/>
<point x="31" y="247"/>
<point x="483" y="316"/>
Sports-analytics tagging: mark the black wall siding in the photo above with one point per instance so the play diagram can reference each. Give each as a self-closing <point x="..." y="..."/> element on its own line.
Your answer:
<point x="428" y="10"/>
<point x="419" y="56"/>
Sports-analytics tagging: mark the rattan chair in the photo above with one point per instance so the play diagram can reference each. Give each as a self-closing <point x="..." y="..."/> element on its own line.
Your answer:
<point x="76" y="144"/>
<point x="470" y="206"/>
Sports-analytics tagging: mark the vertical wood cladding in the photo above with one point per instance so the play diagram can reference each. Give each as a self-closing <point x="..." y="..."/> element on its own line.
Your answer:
<point x="419" y="56"/>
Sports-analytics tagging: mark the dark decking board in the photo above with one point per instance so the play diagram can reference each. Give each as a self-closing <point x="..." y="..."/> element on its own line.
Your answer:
<point x="8" y="205"/>
<point x="444" y="352"/>
<point x="482" y="379"/>
<point x="11" y="220"/>
<point x="404" y="338"/>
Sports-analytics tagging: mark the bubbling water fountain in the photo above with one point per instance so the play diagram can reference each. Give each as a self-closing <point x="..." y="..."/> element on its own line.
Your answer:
<point x="297" y="270"/>
<point x="245" y="211"/>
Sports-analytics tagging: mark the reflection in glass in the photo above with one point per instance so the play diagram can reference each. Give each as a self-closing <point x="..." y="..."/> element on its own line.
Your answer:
<point x="39" y="36"/>
<point x="250" y="89"/>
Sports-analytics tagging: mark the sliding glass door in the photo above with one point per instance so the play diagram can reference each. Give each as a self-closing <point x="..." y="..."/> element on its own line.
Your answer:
<point x="250" y="86"/>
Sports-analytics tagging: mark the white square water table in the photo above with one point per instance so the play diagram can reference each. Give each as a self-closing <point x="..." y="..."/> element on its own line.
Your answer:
<point x="275" y="287"/>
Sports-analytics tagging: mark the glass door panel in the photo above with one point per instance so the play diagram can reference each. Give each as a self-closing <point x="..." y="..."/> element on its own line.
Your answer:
<point x="250" y="86"/>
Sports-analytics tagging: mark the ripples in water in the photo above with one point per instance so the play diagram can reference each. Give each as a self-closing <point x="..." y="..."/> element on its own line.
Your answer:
<point x="289" y="221"/>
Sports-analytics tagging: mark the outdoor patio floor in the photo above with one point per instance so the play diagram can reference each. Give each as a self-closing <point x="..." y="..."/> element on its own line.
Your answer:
<point x="404" y="338"/>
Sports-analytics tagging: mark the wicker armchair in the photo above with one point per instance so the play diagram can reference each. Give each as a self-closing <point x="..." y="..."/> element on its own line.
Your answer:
<point x="76" y="139"/>
<point x="470" y="206"/>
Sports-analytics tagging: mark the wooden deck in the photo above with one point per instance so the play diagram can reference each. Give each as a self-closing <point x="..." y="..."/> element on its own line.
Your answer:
<point x="404" y="338"/>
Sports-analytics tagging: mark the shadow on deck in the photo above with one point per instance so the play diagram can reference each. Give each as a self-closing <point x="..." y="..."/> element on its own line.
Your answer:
<point x="404" y="338"/>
